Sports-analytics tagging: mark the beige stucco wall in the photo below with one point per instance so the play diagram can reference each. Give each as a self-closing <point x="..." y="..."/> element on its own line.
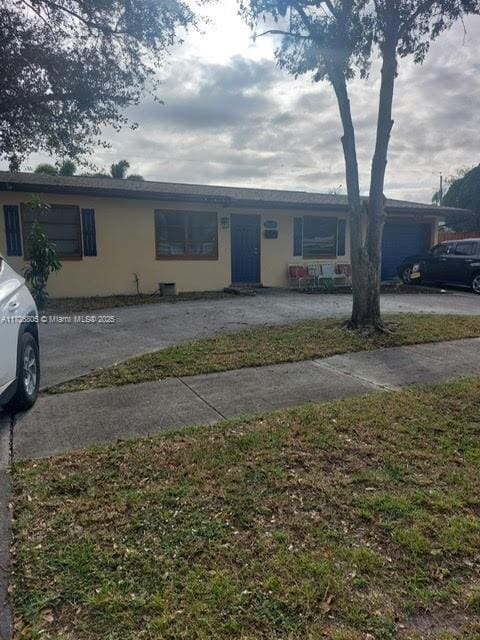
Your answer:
<point x="125" y="231"/>
<point x="278" y="254"/>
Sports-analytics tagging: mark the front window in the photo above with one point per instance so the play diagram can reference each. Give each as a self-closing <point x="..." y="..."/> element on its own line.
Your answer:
<point x="184" y="234"/>
<point x="61" y="223"/>
<point x="319" y="237"/>
<point x="444" y="249"/>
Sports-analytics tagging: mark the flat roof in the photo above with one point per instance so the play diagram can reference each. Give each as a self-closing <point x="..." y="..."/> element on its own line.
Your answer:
<point x="181" y="192"/>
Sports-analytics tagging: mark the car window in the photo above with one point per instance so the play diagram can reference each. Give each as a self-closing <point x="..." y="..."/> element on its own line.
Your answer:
<point x="466" y="249"/>
<point x="443" y="249"/>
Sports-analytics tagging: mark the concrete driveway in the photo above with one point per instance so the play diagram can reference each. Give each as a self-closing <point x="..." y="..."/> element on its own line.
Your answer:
<point x="70" y="350"/>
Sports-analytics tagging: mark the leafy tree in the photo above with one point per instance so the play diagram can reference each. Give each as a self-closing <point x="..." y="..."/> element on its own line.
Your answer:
<point x="43" y="255"/>
<point x="49" y="169"/>
<point x="98" y="174"/>
<point x="119" y="169"/>
<point x="335" y="39"/>
<point x="464" y="192"/>
<point x="438" y="196"/>
<point x="70" y="67"/>
<point x="67" y="168"/>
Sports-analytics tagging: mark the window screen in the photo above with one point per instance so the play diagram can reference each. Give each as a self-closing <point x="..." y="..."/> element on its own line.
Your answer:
<point x="319" y="237"/>
<point x="61" y="223"/>
<point x="186" y="234"/>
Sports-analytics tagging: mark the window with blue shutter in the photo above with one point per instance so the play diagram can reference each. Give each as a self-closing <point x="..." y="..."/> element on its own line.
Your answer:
<point x="12" y="230"/>
<point x="342" y="227"/>
<point x="89" y="232"/>
<point x="298" y="236"/>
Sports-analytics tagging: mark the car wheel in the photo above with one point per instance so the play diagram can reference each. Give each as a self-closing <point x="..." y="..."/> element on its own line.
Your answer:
<point x="476" y="283"/>
<point x="407" y="275"/>
<point x="28" y="375"/>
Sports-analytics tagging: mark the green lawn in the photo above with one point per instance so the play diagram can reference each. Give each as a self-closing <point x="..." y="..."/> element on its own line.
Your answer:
<point x="347" y="520"/>
<point x="272" y="344"/>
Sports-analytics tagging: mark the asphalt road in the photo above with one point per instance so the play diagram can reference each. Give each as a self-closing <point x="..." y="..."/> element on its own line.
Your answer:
<point x="70" y="350"/>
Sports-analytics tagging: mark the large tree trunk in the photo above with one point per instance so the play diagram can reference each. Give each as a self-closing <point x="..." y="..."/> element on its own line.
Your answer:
<point x="368" y="314"/>
<point x="362" y="276"/>
<point x="367" y="219"/>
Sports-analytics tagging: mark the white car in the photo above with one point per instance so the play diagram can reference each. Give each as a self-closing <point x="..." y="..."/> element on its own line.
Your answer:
<point x="19" y="352"/>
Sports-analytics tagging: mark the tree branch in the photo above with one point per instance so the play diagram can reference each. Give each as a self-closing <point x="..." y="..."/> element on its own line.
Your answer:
<point x="96" y="26"/>
<point x="423" y="6"/>
<point x="279" y="32"/>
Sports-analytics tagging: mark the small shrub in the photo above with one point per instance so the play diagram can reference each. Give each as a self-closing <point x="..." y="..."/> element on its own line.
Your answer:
<point x="43" y="256"/>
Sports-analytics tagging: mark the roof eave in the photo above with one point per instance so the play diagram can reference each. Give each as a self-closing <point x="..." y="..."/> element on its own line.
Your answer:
<point x="105" y="192"/>
<point x="224" y="201"/>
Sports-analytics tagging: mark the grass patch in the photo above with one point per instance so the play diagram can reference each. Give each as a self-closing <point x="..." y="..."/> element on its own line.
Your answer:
<point x="334" y="520"/>
<point x="273" y="344"/>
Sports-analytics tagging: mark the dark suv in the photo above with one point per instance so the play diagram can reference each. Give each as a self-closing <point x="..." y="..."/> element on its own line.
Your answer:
<point x="452" y="262"/>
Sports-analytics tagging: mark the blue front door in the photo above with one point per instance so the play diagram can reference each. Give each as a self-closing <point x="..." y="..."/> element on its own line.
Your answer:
<point x="245" y="237"/>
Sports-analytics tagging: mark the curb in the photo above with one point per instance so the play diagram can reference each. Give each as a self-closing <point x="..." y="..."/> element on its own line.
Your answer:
<point x="5" y="526"/>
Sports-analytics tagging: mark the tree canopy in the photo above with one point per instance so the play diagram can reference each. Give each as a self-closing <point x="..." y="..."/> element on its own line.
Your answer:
<point x="118" y="170"/>
<point x="335" y="41"/>
<point x="65" y="168"/>
<point x="70" y="67"/>
<point x="464" y="192"/>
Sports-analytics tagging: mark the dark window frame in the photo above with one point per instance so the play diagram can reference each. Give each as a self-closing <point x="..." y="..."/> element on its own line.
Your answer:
<point x="326" y="256"/>
<point x="186" y="214"/>
<point x="70" y="256"/>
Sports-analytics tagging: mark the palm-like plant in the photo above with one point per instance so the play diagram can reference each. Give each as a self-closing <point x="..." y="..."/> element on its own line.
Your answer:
<point x="119" y="169"/>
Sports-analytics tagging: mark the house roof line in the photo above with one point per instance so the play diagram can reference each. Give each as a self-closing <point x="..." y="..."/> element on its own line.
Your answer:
<point x="183" y="192"/>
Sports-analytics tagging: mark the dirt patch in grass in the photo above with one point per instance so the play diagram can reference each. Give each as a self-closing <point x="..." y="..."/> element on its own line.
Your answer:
<point x="273" y="344"/>
<point x="335" y="520"/>
<point x="94" y="303"/>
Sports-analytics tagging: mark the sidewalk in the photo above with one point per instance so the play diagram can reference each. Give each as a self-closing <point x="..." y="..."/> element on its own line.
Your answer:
<point x="75" y="420"/>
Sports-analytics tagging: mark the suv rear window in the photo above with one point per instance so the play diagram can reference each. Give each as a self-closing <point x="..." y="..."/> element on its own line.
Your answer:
<point x="466" y="248"/>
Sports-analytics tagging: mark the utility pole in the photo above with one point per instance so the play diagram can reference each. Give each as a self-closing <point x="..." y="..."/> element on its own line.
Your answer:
<point x="440" y="192"/>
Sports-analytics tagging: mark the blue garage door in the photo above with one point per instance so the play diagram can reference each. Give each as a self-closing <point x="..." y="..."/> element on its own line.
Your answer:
<point x="402" y="239"/>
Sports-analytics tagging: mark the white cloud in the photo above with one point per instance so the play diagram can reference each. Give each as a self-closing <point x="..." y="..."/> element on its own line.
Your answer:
<point x="232" y="117"/>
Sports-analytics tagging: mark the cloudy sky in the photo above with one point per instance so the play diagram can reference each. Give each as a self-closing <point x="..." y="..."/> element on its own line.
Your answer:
<point x="231" y="117"/>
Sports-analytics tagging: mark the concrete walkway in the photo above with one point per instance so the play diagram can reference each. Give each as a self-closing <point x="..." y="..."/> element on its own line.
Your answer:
<point x="75" y="420"/>
<point x="71" y="350"/>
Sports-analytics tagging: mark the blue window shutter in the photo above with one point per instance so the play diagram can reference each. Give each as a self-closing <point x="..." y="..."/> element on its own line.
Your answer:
<point x="298" y="236"/>
<point x="89" y="232"/>
<point x="12" y="230"/>
<point x="342" y="227"/>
